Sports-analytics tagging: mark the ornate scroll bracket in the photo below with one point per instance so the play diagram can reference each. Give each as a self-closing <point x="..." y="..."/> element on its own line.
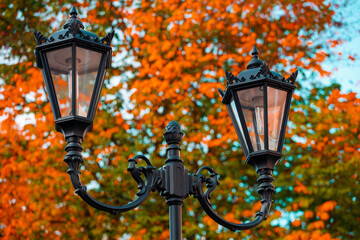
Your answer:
<point x="137" y="171"/>
<point x="211" y="183"/>
<point x="172" y="181"/>
<point x="73" y="159"/>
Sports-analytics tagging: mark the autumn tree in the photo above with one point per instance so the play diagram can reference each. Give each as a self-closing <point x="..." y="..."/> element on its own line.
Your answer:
<point x="324" y="160"/>
<point x="168" y="61"/>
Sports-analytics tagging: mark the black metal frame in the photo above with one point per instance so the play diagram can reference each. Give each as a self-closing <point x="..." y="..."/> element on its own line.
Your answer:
<point x="73" y="36"/>
<point x="237" y="129"/>
<point x="231" y="94"/>
<point x="172" y="180"/>
<point x="74" y="43"/>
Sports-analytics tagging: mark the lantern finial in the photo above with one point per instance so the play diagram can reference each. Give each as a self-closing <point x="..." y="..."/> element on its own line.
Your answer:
<point x="255" y="53"/>
<point x="74" y="24"/>
<point x="255" y="62"/>
<point x="73" y="12"/>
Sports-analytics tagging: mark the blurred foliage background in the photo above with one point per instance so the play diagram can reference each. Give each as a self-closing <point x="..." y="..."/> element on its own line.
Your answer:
<point x="168" y="60"/>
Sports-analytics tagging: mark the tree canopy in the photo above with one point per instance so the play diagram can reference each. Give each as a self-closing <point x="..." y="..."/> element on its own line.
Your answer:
<point x="168" y="61"/>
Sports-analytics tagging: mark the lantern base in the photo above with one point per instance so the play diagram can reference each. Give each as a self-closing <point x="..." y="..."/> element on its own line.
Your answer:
<point x="265" y="159"/>
<point x="73" y="126"/>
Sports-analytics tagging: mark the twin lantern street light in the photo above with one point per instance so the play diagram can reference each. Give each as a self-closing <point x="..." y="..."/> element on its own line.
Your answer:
<point x="74" y="62"/>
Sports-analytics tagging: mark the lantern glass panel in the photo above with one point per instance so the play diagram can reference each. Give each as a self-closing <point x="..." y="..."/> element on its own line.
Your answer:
<point x="237" y="124"/>
<point x="60" y="64"/>
<point x="276" y="100"/>
<point x="87" y="66"/>
<point x="252" y="106"/>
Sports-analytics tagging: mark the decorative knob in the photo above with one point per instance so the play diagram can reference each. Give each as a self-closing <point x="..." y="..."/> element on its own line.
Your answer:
<point x="255" y="62"/>
<point x="173" y="133"/>
<point x="74" y="23"/>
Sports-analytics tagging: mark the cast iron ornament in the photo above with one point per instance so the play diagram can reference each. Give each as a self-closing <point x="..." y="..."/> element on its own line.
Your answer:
<point x="173" y="134"/>
<point x="73" y="28"/>
<point x="258" y="79"/>
<point x="73" y="36"/>
<point x="257" y="69"/>
<point x="172" y="180"/>
<point x="186" y="184"/>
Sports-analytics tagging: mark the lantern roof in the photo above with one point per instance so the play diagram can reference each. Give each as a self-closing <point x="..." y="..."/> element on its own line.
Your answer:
<point x="256" y="70"/>
<point x="73" y="28"/>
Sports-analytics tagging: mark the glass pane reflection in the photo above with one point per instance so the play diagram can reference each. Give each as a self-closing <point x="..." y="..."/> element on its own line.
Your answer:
<point x="237" y="124"/>
<point x="87" y="68"/>
<point x="276" y="106"/>
<point x="59" y="62"/>
<point x="252" y="106"/>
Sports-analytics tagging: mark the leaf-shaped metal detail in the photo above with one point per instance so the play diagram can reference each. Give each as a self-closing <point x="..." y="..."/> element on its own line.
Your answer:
<point x="292" y="77"/>
<point x="221" y="92"/>
<point x="74" y="27"/>
<point x="230" y="78"/>
<point x="264" y="71"/>
<point x="40" y="38"/>
<point x="108" y="38"/>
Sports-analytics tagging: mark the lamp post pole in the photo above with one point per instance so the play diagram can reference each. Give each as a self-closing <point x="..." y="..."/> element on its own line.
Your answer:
<point x="175" y="169"/>
<point x="258" y="101"/>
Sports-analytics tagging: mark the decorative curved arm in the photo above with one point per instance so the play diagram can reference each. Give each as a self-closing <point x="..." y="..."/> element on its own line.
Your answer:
<point x="73" y="158"/>
<point x="173" y="182"/>
<point x="212" y="182"/>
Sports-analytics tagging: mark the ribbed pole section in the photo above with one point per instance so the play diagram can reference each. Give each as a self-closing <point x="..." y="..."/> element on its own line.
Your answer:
<point x="176" y="179"/>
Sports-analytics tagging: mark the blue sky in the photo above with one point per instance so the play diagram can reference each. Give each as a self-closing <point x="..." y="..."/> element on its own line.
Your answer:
<point x="344" y="70"/>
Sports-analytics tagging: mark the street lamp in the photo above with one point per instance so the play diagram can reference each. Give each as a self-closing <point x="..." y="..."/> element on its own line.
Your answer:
<point x="258" y="101"/>
<point x="74" y="62"/>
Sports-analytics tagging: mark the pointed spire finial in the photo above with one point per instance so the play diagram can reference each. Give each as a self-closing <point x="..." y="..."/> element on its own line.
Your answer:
<point x="255" y="53"/>
<point x="255" y="61"/>
<point x="73" y="12"/>
<point x="73" y="23"/>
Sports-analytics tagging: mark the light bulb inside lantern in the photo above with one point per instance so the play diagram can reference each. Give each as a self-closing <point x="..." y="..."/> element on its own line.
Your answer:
<point x="258" y="103"/>
<point x="70" y="85"/>
<point x="259" y="114"/>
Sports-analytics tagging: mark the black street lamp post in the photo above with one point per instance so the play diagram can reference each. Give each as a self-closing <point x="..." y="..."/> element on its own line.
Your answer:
<point x="74" y="62"/>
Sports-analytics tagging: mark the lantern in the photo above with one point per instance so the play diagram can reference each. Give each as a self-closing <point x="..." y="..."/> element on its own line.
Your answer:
<point x="258" y="101"/>
<point x="73" y="63"/>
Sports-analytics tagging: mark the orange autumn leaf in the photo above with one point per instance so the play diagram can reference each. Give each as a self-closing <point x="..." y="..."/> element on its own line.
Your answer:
<point x="327" y="206"/>
<point x="308" y="214"/>
<point x="296" y="223"/>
